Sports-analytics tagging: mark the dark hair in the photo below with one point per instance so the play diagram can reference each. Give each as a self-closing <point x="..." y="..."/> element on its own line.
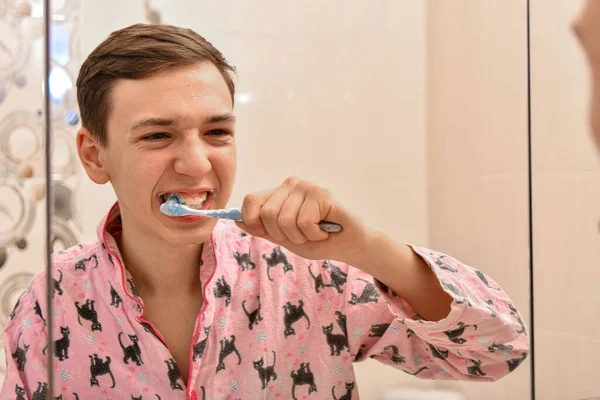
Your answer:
<point x="137" y="52"/>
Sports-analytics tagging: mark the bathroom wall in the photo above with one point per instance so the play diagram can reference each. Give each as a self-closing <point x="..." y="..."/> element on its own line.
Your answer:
<point x="477" y="151"/>
<point x="566" y="198"/>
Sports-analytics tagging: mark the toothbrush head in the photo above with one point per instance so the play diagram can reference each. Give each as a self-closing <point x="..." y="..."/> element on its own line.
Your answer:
<point x="173" y="208"/>
<point x="175" y="198"/>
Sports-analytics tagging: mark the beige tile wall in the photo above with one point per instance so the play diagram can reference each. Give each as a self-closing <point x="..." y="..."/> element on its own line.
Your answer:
<point x="477" y="150"/>
<point x="566" y="195"/>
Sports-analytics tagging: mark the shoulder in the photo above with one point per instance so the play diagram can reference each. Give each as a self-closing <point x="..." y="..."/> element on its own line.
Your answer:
<point x="32" y="303"/>
<point x="26" y="312"/>
<point x="74" y="254"/>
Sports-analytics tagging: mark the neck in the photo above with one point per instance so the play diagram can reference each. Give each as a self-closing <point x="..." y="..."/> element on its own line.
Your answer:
<point x="159" y="267"/>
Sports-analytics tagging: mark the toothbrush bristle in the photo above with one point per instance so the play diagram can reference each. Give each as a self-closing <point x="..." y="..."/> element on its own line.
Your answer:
<point x="173" y="209"/>
<point x="175" y="198"/>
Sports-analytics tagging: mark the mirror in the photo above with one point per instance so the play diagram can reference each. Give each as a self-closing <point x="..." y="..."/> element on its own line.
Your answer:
<point x="413" y="115"/>
<point x="566" y="190"/>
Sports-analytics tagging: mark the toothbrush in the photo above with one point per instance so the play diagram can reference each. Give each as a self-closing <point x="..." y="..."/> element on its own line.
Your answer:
<point x="175" y="208"/>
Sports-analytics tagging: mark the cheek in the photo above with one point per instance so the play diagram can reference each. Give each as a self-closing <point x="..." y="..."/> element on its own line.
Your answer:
<point x="224" y="167"/>
<point x="140" y="174"/>
<point x="144" y="167"/>
<point x="225" y="164"/>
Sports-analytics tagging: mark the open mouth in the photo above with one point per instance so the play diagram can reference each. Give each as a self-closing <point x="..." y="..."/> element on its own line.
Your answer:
<point x="197" y="201"/>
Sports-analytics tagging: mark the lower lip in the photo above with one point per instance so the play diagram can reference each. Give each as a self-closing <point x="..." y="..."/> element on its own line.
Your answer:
<point x="190" y="218"/>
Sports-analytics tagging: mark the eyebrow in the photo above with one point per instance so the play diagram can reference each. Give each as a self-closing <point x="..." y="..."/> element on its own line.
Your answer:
<point x="153" y="121"/>
<point x="213" y="119"/>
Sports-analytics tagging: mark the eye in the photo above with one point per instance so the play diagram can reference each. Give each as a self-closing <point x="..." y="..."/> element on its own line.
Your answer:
<point x="217" y="132"/>
<point x="156" y="136"/>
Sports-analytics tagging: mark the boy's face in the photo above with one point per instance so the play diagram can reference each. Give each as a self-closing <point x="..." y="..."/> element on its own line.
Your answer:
<point x="170" y="133"/>
<point x="587" y="28"/>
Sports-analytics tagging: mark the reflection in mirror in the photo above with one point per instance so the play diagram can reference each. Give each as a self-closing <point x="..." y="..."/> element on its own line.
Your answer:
<point x="390" y="134"/>
<point x="566" y="188"/>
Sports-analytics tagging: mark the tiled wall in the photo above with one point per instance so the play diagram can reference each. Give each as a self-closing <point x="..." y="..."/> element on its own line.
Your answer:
<point x="566" y="196"/>
<point x="477" y="150"/>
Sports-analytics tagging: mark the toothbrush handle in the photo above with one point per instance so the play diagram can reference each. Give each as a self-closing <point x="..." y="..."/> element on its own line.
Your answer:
<point x="231" y="213"/>
<point x="330" y="227"/>
<point x="236" y="215"/>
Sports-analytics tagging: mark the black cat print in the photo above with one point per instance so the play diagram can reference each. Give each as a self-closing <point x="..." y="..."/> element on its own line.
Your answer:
<point x="272" y="324"/>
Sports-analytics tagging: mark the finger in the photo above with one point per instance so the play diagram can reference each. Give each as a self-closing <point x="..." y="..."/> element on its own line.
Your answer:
<point x="251" y="206"/>
<point x="269" y="213"/>
<point x="309" y="217"/>
<point x="288" y="217"/>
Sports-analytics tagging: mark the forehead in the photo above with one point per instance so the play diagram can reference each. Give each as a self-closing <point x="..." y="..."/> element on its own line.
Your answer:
<point x="184" y="94"/>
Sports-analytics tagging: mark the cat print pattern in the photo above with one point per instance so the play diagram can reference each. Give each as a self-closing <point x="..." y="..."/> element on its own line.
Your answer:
<point x="272" y="324"/>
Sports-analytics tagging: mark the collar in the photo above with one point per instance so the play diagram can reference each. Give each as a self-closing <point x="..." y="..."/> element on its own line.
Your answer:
<point x="122" y="284"/>
<point x="119" y="277"/>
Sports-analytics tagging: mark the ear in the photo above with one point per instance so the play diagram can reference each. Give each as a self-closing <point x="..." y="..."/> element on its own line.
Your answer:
<point x="90" y="154"/>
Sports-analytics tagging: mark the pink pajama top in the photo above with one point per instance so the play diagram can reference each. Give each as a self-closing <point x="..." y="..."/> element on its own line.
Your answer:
<point x="273" y="326"/>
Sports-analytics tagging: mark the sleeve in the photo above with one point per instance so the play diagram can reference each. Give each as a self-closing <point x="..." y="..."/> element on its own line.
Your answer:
<point x="25" y="345"/>
<point x="482" y="339"/>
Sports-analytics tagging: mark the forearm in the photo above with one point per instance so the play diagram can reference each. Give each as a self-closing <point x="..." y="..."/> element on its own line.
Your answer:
<point x="407" y="274"/>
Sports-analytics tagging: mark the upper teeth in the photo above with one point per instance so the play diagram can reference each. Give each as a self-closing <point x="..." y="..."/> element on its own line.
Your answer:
<point x="191" y="201"/>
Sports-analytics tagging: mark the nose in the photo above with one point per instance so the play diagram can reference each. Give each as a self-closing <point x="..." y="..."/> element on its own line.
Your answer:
<point x="192" y="158"/>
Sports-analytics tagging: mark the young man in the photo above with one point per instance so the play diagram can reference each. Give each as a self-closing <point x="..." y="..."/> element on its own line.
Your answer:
<point x="587" y="29"/>
<point x="197" y="308"/>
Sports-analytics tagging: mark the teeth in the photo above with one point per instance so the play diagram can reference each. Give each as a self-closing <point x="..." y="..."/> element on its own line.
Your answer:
<point x="190" y="201"/>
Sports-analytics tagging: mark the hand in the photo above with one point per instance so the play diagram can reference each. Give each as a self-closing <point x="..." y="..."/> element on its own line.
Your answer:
<point x="288" y="215"/>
